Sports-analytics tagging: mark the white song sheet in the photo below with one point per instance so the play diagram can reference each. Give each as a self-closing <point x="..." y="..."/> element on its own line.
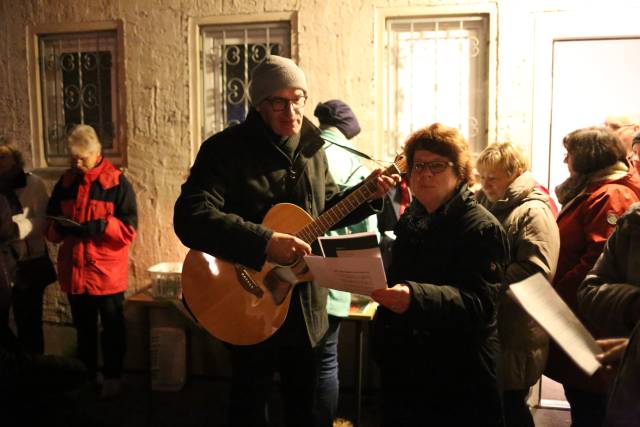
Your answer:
<point x="359" y="275"/>
<point x="351" y="263"/>
<point x="544" y="304"/>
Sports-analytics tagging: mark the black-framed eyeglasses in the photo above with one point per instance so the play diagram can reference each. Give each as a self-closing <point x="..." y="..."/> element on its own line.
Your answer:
<point x="435" y="167"/>
<point x="282" y="104"/>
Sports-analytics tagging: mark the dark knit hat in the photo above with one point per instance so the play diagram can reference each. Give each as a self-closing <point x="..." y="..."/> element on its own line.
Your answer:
<point x="337" y="113"/>
<point x="273" y="74"/>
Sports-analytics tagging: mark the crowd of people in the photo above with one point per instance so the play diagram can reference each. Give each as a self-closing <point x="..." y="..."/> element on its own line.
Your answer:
<point x="453" y="345"/>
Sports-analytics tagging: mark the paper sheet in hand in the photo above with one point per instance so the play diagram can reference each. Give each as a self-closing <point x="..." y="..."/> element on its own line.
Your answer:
<point x="359" y="275"/>
<point x="543" y="303"/>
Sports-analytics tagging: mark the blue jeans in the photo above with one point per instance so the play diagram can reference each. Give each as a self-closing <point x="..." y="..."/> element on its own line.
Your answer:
<point x="327" y="390"/>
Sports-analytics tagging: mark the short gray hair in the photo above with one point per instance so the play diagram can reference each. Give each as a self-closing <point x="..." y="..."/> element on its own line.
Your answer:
<point x="83" y="138"/>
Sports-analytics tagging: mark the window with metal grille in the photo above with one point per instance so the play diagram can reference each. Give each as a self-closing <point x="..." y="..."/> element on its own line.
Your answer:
<point x="229" y="55"/>
<point x="78" y="85"/>
<point x="436" y="70"/>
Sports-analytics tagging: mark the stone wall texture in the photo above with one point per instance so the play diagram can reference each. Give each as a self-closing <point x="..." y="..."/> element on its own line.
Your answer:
<point x="335" y="48"/>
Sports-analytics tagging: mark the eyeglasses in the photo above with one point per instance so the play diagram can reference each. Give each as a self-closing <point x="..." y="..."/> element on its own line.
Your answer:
<point x="434" y="167"/>
<point x="282" y="104"/>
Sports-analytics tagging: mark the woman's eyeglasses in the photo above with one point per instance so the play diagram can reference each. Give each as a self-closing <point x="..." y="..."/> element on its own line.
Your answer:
<point x="434" y="167"/>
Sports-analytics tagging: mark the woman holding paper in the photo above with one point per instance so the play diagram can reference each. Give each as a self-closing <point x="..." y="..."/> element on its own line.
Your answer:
<point x="435" y="335"/>
<point x="510" y="192"/>
<point x="27" y="196"/>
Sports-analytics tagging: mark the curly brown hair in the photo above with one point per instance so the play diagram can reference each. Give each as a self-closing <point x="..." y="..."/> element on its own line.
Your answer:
<point x="593" y="148"/>
<point x="444" y="141"/>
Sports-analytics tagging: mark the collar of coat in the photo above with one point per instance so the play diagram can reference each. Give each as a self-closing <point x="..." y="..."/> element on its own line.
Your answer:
<point x="417" y="218"/>
<point x="106" y="174"/>
<point x="310" y="140"/>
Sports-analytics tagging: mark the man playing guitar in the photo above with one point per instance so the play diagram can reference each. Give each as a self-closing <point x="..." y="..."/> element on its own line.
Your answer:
<point x="274" y="156"/>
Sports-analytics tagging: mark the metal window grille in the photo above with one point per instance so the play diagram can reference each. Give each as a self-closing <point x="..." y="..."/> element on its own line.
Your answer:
<point x="229" y="55"/>
<point x="78" y="85"/>
<point x="436" y="71"/>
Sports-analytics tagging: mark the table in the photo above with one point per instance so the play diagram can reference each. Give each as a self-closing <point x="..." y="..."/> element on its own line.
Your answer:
<point x="360" y="315"/>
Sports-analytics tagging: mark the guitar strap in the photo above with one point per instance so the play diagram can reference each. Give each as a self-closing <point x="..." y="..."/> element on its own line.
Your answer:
<point x="301" y="157"/>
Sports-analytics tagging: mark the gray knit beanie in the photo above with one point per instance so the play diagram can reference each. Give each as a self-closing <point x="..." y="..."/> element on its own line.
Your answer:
<point x="273" y="74"/>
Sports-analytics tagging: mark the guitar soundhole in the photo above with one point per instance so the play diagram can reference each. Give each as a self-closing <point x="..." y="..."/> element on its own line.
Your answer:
<point x="277" y="288"/>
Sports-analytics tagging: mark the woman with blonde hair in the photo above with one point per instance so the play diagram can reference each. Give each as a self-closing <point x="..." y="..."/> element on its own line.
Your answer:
<point x="94" y="253"/>
<point x="511" y="194"/>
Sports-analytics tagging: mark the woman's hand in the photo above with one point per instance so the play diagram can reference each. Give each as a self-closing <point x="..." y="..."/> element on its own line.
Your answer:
<point x="612" y="350"/>
<point x="396" y="299"/>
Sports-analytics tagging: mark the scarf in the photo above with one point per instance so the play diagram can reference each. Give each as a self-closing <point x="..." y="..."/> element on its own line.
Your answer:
<point x="576" y="184"/>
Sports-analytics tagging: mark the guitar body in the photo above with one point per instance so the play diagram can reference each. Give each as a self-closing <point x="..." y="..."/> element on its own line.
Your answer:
<point x="217" y="293"/>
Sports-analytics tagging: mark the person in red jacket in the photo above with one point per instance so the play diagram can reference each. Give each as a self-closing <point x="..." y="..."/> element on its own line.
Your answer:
<point x="94" y="216"/>
<point x="599" y="190"/>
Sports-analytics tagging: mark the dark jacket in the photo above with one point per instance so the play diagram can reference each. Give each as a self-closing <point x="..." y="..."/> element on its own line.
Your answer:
<point x="96" y="265"/>
<point x="612" y="288"/>
<point x="238" y="175"/>
<point x="441" y="353"/>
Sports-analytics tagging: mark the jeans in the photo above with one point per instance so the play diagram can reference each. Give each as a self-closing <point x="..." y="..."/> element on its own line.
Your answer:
<point x="587" y="408"/>
<point x="85" y="310"/>
<point x="328" y="388"/>
<point x="287" y="352"/>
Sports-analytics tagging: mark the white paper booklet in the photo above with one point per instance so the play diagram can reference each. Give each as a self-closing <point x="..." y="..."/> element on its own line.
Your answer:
<point x="544" y="304"/>
<point x="352" y="263"/>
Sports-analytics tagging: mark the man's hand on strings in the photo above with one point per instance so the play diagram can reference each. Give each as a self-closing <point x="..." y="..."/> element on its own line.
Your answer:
<point x="285" y="249"/>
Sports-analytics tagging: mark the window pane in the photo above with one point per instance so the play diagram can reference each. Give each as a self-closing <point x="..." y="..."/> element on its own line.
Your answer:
<point x="436" y="72"/>
<point x="78" y="86"/>
<point x="230" y="53"/>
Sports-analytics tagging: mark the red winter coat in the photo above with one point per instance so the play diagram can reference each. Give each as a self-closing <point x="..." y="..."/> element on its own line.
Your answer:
<point x="585" y="224"/>
<point x="96" y="265"/>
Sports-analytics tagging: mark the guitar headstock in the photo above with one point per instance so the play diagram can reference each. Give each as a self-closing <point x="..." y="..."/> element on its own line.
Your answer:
<point x="399" y="166"/>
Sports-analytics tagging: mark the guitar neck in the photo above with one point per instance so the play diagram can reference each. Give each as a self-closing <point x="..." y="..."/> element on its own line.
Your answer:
<point x="340" y="210"/>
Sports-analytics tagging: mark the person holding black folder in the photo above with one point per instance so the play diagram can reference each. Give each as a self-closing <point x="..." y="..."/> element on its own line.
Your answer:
<point x="94" y="254"/>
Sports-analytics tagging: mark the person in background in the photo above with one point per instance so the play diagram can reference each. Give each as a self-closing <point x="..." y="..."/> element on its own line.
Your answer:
<point x="435" y="335"/>
<point x="396" y="202"/>
<point x="634" y="159"/>
<point x="27" y="196"/>
<point x="338" y="124"/>
<point x="511" y="194"/>
<point x="598" y="191"/>
<point x="609" y="299"/>
<point x="625" y="125"/>
<point x="94" y="256"/>
<point x="7" y="268"/>
<point x="219" y="212"/>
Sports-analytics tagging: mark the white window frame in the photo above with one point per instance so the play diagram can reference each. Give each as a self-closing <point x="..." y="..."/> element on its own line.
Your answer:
<point x="196" y="25"/>
<point x="382" y="15"/>
<point x="34" y="33"/>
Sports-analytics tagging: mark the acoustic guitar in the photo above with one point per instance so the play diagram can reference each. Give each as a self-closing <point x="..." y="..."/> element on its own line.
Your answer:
<point x="242" y="306"/>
